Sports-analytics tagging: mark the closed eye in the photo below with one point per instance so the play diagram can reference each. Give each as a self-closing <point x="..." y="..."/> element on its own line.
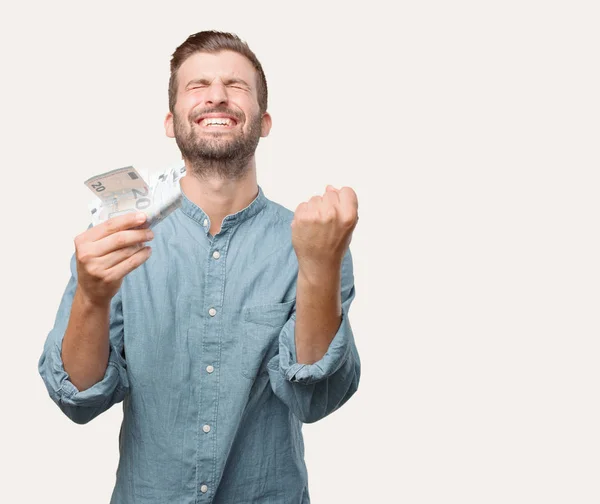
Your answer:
<point x="231" y="83"/>
<point x="237" y="84"/>
<point x="198" y="84"/>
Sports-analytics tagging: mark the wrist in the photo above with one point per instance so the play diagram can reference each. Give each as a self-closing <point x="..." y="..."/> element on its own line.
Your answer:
<point x="319" y="274"/>
<point x="88" y="302"/>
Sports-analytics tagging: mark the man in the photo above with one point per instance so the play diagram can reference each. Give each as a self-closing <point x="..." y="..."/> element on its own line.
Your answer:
<point x="234" y="331"/>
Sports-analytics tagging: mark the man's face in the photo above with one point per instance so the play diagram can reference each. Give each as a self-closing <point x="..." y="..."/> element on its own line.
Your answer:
<point x="217" y="116"/>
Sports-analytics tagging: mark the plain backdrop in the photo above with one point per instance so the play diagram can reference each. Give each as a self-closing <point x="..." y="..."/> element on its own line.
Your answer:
<point x="469" y="131"/>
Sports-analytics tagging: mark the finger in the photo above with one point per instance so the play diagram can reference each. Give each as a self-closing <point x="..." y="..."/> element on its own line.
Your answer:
<point x="330" y="188"/>
<point x="118" y="256"/>
<point x="116" y="224"/>
<point x="128" y="265"/>
<point x="348" y="207"/>
<point x="332" y="197"/>
<point x="348" y="198"/>
<point x="314" y="203"/>
<point x="121" y="240"/>
<point x="301" y="207"/>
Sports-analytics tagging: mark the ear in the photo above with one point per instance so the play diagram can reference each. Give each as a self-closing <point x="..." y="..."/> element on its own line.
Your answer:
<point x="265" y="124"/>
<point x="169" y="131"/>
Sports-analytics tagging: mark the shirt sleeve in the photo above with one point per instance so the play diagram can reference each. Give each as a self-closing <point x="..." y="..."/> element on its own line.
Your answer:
<point x="81" y="407"/>
<point x="313" y="391"/>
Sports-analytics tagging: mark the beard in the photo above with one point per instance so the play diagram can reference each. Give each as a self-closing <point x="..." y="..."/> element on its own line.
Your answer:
<point x="220" y="154"/>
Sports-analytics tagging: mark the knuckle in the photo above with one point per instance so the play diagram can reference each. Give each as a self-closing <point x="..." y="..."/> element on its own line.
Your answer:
<point x="349" y="220"/>
<point x="110" y="226"/>
<point x="132" y="261"/>
<point x="120" y="241"/>
<point x="329" y="215"/>
<point x="94" y="271"/>
<point x="84" y="252"/>
<point x="304" y="218"/>
<point x="83" y="255"/>
<point x="81" y="239"/>
<point x="133" y="250"/>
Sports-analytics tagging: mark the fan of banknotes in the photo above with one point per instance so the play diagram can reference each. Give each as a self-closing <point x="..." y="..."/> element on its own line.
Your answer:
<point x="124" y="190"/>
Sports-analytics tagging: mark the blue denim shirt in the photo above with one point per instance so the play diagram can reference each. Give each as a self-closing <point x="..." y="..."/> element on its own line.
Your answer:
<point x="202" y="355"/>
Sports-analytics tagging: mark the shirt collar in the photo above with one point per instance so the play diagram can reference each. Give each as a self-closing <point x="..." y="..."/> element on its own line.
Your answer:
<point x="196" y="213"/>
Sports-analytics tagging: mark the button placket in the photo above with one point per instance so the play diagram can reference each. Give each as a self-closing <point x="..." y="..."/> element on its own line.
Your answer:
<point x="211" y="344"/>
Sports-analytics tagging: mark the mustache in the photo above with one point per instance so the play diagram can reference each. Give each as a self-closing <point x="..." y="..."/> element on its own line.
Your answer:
<point x="217" y="110"/>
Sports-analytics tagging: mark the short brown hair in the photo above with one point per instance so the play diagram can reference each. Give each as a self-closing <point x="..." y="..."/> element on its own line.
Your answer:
<point x="214" y="42"/>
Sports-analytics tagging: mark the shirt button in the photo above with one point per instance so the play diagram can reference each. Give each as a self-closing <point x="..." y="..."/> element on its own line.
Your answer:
<point x="206" y="428"/>
<point x="212" y="312"/>
<point x="204" y="489"/>
<point x="205" y="223"/>
<point x="216" y="254"/>
<point x="209" y="369"/>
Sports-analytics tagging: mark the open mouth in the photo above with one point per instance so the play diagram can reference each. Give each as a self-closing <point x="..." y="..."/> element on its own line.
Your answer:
<point x="217" y="122"/>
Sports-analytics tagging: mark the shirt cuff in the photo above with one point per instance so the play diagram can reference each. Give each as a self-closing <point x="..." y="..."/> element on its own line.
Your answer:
<point x="63" y="391"/>
<point x="337" y="353"/>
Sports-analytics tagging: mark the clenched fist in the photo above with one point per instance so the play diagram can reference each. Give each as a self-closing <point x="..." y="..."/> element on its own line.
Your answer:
<point x="322" y="228"/>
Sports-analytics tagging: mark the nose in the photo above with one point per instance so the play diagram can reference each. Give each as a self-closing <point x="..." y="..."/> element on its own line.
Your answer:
<point x="216" y="93"/>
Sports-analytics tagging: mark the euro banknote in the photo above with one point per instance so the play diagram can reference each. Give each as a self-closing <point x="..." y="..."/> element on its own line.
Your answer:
<point x="124" y="190"/>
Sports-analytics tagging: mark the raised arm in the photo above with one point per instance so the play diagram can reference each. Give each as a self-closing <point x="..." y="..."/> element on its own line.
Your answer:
<point x="318" y="367"/>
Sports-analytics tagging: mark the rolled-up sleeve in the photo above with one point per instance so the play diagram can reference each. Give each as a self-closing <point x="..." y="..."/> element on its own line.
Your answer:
<point x="313" y="391"/>
<point x="81" y="407"/>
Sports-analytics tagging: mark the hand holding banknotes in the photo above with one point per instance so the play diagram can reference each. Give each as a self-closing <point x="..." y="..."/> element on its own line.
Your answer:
<point x="123" y="190"/>
<point x="107" y="252"/>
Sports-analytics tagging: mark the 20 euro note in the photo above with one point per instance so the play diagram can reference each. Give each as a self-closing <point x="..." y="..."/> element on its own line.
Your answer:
<point x="124" y="190"/>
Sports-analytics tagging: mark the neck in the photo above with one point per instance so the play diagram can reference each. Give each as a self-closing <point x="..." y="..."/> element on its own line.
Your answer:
<point x="217" y="195"/>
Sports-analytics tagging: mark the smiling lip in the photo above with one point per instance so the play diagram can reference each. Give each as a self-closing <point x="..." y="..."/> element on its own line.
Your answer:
<point x="201" y="121"/>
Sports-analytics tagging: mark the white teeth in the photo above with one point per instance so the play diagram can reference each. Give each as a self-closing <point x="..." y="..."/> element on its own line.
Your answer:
<point x="221" y="121"/>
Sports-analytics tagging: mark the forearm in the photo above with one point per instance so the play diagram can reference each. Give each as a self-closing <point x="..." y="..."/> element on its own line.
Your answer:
<point x="318" y="312"/>
<point x="85" y="346"/>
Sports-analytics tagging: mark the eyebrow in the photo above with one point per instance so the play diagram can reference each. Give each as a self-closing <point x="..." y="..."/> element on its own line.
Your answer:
<point x="226" y="81"/>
